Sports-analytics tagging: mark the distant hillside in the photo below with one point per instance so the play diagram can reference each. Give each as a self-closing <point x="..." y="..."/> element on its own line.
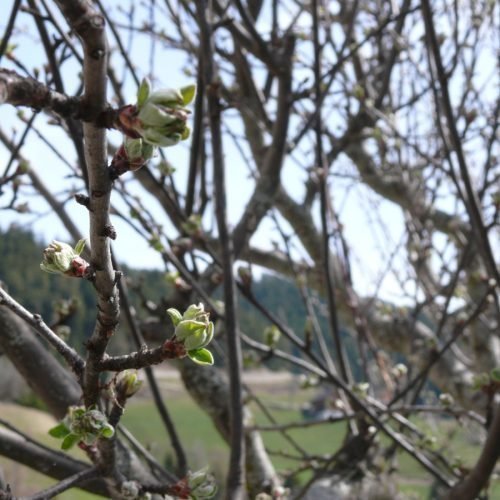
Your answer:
<point x="21" y="254"/>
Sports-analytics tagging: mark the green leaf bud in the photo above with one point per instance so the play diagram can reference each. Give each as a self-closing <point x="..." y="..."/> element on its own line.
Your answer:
<point x="188" y="328"/>
<point x="82" y="425"/>
<point x="138" y="152"/>
<point x="188" y="94"/>
<point x="152" y="115"/>
<point x="272" y="335"/>
<point x="59" y="431"/>
<point x="194" y="331"/>
<point x="143" y="92"/>
<point x="174" y="314"/>
<point x="128" y="383"/>
<point x="171" y="98"/>
<point x="201" y="356"/>
<point x="201" y="484"/>
<point x="195" y="312"/>
<point x="158" y="138"/>
<point x="69" y="441"/>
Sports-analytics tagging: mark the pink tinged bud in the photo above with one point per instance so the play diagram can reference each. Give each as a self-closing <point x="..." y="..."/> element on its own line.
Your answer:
<point x="173" y="349"/>
<point x="79" y="268"/>
<point x="61" y="258"/>
<point x="127" y="121"/>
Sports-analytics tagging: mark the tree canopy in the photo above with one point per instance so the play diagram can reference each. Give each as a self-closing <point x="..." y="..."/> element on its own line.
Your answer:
<point x="350" y="148"/>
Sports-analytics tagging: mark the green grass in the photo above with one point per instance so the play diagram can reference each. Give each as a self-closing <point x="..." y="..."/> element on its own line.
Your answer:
<point x="196" y="431"/>
<point x="203" y="445"/>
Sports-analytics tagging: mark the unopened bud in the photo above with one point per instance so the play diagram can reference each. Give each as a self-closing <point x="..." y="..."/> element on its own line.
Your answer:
<point x="128" y="383"/>
<point x="159" y="117"/>
<point x="399" y="370"/>
<point x="201" y="484"/>
<point x="61" y="258"/>
<point x="272" y="335"/>
<point x="194" y="331"/>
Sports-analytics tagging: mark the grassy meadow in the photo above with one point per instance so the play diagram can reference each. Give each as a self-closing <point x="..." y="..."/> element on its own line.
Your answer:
<point x="204" y="446"/>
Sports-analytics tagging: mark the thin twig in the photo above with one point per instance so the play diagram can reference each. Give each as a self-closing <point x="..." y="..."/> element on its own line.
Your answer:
<point x="236" y="474"/>
<point x="75" y="362"/>
<point x="66" y="484"/>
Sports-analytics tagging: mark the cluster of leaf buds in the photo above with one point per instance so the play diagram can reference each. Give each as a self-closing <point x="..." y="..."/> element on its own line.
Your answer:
<point x="159" y="117"/>
<point x="197" y="485"/>
<point x="201" y="484"/>
<point x="61" y="258"/>
<point x="194" y="331"/>
<point x="83" y="425"/>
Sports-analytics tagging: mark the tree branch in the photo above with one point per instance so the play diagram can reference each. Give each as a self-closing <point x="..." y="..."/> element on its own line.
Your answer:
<point x="26" y="91"/>
<point x="235" y="482"/>
<point x="64" y="485"/>
<point x="44" y="460"/>
<point x="75" y="362"/>
<point x="479" y="476"/>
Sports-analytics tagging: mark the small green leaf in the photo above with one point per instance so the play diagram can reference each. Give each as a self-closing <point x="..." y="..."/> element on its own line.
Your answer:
<point x="79" y="247"/>
<point x="143" y="92"/>
<point x="188" y="94"/>
<point x="201" y="356"/>
<point x="185" y="133"/>
<point x="107" y="431"/>
<point x="175" y="316"/>
<point x="69" y="441"/>
<point x="188" y="327"/>
<point x="59" y="431"/>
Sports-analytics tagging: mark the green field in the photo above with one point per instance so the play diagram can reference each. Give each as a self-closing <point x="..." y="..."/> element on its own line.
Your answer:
<point x="204" y="446"/>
